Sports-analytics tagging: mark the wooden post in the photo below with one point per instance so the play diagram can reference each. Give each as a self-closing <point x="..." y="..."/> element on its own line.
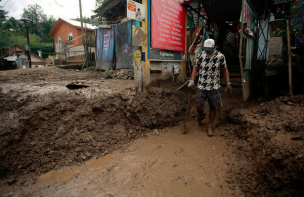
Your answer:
<point x="289" y="60"/>
<point x="183" y="70"/>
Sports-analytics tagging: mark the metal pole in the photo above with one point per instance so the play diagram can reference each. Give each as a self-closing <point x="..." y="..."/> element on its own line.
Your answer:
<point x="267" y="35"/>
<point x="82" y="30"/>
<point x="29" y="50"/>
<point x="81" y="22"/>
<point x="241" y="46"/>
<point x="289" y="60"/>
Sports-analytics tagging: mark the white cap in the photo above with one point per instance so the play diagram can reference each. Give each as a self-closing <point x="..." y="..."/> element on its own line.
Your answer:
<point x="209" y="45"/>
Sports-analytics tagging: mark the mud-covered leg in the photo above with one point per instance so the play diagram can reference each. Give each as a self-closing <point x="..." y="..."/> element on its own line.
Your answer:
<point x="200" y="107"/>
<point x="212" y="114"/>
<point x="201" y="115"/>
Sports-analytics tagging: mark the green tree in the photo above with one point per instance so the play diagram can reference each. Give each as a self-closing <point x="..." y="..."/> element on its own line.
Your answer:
<point x="98" y="3"/>
<point x="41" y="24"/>
<point x="13" y="25"/>
<point x="47" y="28"/>
<point x="12" y="31"/>
<point x="3" y="16"/>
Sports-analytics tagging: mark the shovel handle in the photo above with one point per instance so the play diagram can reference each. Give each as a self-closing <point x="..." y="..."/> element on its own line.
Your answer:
<point x="188" y="107"/>
<point x="182" y="86"/>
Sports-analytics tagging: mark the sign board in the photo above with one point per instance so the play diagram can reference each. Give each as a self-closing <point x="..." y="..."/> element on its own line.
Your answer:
<point x="136" y="11"/>
<point x="138" y="36"/>
<point x="202" y="11"/>
<point x="137" y="57"/>
<point x="157" y="54"/>
<point x="168" y="25"/>
<point x="190" y="21"/>
<point x="249" y="17"/>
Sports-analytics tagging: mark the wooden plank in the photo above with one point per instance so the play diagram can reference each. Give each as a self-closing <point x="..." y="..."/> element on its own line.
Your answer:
<point x="289" y="60"/>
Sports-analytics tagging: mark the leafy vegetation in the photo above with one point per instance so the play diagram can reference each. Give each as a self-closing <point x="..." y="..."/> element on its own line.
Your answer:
<point x="107" y="74"/>
<point x="295" y="16"/>
<point x="93" y="68"/>
<point x="99" y="3"/>
<point x="13" y="31"/>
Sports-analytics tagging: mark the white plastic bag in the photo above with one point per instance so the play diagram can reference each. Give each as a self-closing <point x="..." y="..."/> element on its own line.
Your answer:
<point x="176" y="69"/>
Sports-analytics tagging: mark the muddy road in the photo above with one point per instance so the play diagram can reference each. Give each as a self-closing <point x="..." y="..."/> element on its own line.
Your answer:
<point x="108" y="140"/>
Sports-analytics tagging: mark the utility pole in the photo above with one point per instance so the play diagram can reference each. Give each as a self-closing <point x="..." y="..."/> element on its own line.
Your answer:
<point x="84" y="48"/>
<point x="27" y="25"/>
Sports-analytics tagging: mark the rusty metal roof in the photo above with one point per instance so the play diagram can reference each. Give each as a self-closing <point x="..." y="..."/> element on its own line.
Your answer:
<point x="112" y="9"/>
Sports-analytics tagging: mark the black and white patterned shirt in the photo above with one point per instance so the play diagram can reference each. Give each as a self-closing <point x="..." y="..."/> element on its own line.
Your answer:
<point x="209" y="70"/>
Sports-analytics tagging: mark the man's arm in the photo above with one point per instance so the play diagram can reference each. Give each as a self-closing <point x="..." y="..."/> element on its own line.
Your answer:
<point x="226" y="75"/>
<point x="194" y="72"/>
<point x="191" y="81"/>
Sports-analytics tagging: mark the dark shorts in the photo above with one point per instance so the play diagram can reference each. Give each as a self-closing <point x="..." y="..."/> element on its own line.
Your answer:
<point x="214" y="97"/>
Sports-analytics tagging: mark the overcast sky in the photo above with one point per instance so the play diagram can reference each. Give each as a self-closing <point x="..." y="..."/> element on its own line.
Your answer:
<point x="65" y="9"/>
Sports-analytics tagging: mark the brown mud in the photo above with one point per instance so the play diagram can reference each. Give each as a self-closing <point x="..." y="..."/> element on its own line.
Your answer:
<point x="269" y="152"/>
<point x="108" y="140"/>
<point x="166" y="164"/>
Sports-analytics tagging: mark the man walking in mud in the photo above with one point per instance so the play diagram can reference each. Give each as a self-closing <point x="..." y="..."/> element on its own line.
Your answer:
<point x="208" y="64"/>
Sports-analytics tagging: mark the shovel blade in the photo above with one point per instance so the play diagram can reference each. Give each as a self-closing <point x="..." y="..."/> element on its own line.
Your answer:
<point x="183" y="128"/>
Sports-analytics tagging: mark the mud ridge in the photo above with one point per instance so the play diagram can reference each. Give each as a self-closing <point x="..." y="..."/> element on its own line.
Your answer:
<point x="268" y="146"/>
<point x="40" y="132"/>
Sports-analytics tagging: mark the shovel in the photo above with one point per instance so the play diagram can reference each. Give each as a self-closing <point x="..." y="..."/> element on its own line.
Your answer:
<point x="183" y="128"/>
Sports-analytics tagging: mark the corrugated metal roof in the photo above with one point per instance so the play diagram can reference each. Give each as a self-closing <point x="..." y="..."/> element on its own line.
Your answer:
<point x="11" y="58"/>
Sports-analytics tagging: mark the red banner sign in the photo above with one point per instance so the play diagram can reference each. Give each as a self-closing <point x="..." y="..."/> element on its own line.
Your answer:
<point x="168" y="25"/>
<point x="132" y="6"/>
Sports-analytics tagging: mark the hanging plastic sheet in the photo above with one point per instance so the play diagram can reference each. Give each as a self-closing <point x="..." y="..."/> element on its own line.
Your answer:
<point x="104" y="48"/>
<point x="123" y="45"/>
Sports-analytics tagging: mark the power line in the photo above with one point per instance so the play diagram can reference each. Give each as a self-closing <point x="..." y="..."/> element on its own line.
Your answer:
<point x="6" y="3"/>
<point x="31" y="3"/>
<point x="24" y="6"/>
<point x="12" y="5"/>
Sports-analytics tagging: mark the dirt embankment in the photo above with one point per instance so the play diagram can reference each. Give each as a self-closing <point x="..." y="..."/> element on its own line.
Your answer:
<point x="269" y="153"/>
<point x="42" y="131"/>
<point x="45" y="126"/>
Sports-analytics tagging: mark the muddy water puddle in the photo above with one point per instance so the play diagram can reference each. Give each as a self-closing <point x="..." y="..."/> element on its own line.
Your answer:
<point x="169" y="164"/>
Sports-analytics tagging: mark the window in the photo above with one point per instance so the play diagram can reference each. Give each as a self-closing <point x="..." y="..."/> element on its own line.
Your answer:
<point x="70" y="36"/>
<point x="59" y="39"/>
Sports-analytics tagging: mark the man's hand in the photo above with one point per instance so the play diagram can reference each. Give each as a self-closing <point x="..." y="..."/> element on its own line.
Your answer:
<point x="228" y="88"/>
<point x="190" y="84"/>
